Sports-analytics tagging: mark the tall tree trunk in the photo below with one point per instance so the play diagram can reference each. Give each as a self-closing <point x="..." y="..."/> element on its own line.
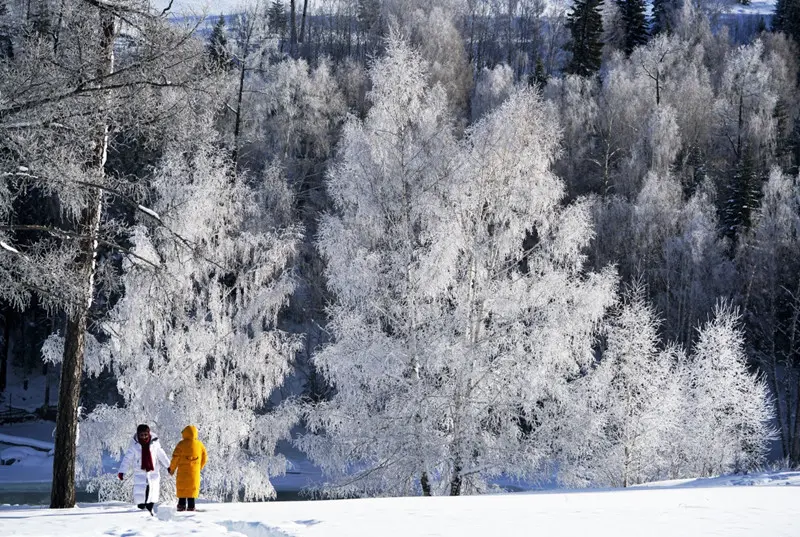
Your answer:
<point x="793" y="341"/>
<point x="245" y="51"/>
<point x="5" y="348"/>
<point x="293" y="28"/>
<point x="302" y="35"/>
<point x="456" y="480"/>
<point x="62" y="494"/>
<point x="238" y="125"/>
<point x="425" y="484"/>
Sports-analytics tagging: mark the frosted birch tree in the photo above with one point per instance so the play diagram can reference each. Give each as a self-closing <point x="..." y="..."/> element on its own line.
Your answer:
<point x="730" y="407"/>
<point x="768" y="259"/>
<point x="389" y="192"/>
<point x="634" y="395"/>
<point x="65" y="97"/>
<point x="461" y="302"/>
<point x="194" y="338"/>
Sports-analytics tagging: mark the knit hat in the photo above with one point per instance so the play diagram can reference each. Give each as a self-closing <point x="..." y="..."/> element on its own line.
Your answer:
<point x="143" y="428"/>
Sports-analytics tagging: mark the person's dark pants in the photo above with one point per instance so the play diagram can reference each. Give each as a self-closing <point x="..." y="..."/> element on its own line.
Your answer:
<point x="182" y="504"/>
<point x="146" y="505"/>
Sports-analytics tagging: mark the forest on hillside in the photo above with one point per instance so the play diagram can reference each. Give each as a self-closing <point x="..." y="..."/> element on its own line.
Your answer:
<point x="435" y="243"/>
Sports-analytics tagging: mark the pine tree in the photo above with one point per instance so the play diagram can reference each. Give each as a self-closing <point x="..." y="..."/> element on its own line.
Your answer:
<point x="744" y="193"/>
<point x="539" y="76"/>
<point x="218" y="45"/>
<point x="662" y="16"/>
<point x="787" y="18"/>
<point x="585" y="23"/>
<point x="6" y="46"/>
<point x="633" y="18"/>
<point x="276" y="18"/>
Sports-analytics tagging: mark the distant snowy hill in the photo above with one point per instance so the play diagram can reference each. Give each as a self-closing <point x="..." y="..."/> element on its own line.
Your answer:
<point x="757" y="7"/>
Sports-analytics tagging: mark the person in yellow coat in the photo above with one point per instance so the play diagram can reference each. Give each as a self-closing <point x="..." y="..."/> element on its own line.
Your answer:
<point x="188" y="459"/>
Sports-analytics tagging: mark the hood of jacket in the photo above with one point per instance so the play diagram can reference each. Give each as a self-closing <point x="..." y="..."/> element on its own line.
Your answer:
<point x="189" y="432"/>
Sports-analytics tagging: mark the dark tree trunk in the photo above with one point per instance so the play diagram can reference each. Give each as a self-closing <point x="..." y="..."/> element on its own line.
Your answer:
<point x="293" y="27"/>
<point x="426" y="485"/>
<point x="5" y="348"/>
<point x="238" y="124"/>
<point x="302" y="35"/>
<point x="237" y="127"/>
<point x="455" y="482"/>
<point x="795" y="438"/>
<point x="46" y="373"/>
<point x="62" y="494"/>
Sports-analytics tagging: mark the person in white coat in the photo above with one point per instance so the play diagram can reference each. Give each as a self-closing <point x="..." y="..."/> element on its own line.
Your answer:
<point x="144" y="456"/>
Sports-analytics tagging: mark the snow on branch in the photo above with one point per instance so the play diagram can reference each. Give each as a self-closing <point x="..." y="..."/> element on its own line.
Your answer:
<point x="6" y="246"/>
<point x="149" y="212"/>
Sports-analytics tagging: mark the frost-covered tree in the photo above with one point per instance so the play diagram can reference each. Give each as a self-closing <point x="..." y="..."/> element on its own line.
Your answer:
<point x="579" y="114"/>
<point x="388" y="189"/>
<point x="462" y="307"/>
<point x="768" y="259"/>
<point x="633" y="401"/>
<point x="731" y="411"/>
<point x="295" y="116"/>
<point x="673" y="245"/>
<point x="68" y="92"/>
<point x="745" y="105"/>
<point x="193" y="340"/>
<point x="492" y="87"/>
<point x="695" y="269"/>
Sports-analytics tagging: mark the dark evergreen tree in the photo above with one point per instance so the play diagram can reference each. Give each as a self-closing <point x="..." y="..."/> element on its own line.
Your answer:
<point x="662" y="16"/>
<point x="6" y="45"/>
<point x="369" y="15"/>
<point x="743" y="195"/>
<point x="218" y="45"/>
<point x="539" y="77"/>
<point x="40" y="21"/>
<point x="585" y="24"/>
<point x="635" y="23"/>
<point x="276" y="18"/>
<point x="787" y="18"/>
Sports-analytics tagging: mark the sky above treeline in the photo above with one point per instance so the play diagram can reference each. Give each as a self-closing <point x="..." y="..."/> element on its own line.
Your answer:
<point x="211" y="7"/>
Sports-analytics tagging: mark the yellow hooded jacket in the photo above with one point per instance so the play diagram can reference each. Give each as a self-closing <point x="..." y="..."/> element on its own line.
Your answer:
<point x="188" y="459"/>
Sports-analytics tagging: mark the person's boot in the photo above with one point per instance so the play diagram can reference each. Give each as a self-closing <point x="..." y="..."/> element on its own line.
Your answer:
<point x="141" y="506"/>
<point x="149" y="507"/>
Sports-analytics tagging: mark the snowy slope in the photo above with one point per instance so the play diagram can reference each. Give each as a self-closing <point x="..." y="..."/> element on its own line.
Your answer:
<point x="716" y="510"/>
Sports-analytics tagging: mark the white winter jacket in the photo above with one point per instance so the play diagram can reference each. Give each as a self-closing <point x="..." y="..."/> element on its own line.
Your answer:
<point x="132" y="461"/>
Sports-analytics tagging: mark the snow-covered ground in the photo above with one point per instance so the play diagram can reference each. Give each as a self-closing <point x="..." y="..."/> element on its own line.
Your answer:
<point x="704" y="508"/>
<point x="26" y="466"/>
<point x="733" y="506"/>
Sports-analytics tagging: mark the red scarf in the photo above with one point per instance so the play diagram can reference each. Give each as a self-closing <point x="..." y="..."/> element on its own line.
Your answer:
<point x="147" y="458"/>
